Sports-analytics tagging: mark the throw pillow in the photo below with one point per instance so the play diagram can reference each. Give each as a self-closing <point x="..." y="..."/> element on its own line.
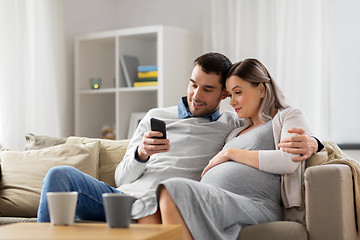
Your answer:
<point x="1" y="151"/>
<point x="23" y="173"/>
<point x="111" y="154"/>
<point x="35" y="142"/>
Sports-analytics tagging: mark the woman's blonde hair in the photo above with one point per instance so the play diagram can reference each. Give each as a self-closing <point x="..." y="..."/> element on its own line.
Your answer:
<point x="254" y="72"/>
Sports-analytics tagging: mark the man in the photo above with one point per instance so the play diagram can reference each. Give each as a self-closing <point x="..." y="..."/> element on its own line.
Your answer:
<point x="197" y="132"/>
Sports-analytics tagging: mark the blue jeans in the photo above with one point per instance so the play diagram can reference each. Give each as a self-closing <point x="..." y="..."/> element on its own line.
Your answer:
<point x="67" y="179"/>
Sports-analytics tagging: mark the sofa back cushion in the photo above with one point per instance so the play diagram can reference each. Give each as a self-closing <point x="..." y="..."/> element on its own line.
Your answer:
<point x="35" y="142"/>
<point x="23" y="173"/>
<point x="111" y="154"/>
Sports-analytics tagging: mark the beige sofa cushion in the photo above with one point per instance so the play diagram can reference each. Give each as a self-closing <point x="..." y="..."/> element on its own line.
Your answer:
<point x="111" y="154"/>
<point x="35" y="142"/>
<point x="280" y="230"/>
<point x="23" y="173"/>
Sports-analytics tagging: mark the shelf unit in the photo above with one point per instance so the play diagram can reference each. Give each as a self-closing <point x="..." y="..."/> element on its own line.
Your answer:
<point x="97" y="55"/>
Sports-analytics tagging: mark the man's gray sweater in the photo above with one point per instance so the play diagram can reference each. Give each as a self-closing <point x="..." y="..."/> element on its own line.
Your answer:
<point x="194" y="141"/>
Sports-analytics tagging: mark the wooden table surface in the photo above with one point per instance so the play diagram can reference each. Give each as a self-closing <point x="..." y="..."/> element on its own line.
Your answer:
<point x="89" y="231"/>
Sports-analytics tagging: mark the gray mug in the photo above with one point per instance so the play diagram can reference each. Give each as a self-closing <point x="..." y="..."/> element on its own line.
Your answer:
<point x="118" y="209"/>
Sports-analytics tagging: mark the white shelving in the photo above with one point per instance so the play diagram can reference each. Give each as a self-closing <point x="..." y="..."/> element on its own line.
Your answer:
<point x="97" y="55"/>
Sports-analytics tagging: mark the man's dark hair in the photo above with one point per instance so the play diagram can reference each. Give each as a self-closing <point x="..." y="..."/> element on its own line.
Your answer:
<point x="214" y="63"/>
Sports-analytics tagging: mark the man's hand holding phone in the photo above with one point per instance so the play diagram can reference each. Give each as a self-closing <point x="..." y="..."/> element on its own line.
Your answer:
<point x="153" y="141"/>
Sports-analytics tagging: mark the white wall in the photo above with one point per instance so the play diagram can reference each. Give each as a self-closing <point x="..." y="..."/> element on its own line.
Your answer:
<point x="86" y="16"/>
<point x="355" y="154"/>
<point x="345" y="70"/>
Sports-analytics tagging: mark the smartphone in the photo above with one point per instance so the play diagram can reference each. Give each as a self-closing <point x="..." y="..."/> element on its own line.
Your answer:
<point x="158" y="125"/>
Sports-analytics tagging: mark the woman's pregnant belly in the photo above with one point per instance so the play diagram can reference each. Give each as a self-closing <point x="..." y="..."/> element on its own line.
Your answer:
<point x="243" y="180"/>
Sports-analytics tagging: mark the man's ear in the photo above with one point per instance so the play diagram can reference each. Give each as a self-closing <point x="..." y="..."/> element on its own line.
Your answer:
<point x="224" y="94"/>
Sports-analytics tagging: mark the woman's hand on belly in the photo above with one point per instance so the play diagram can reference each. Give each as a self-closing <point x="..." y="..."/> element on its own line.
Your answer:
<point x="248" y="157"/>
<point x="220" y="157"/>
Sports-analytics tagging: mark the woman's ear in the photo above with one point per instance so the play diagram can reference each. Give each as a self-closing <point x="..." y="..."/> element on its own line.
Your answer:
<point x="262" y="90"/>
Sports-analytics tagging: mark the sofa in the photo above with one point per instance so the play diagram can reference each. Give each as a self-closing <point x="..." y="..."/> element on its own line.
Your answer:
<point x="329" y="192"/>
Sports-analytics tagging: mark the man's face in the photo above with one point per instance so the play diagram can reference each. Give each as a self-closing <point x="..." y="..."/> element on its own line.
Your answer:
<point x="204" y="92"/>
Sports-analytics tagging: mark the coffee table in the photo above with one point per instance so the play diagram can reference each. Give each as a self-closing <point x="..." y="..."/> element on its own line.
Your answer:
<point x="89" y="231"/>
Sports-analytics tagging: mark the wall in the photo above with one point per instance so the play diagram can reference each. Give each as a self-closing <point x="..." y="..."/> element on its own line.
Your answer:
<point x="345" y="70"/>
<point x="355" y="154"/>
<point x="345" y="73"/>
<point x="86" y="16"/>
<point x="83" y="16"/>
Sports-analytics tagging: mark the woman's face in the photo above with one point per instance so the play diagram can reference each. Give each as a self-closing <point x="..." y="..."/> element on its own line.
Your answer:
<point x="244" y="97"/>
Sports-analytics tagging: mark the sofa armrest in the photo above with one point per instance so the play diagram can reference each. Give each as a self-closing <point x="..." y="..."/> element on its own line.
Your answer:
<point x="329" y="201"/>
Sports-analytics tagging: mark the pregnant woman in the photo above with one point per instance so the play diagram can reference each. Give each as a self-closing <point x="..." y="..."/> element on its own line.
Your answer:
<point x="248" y="181"/>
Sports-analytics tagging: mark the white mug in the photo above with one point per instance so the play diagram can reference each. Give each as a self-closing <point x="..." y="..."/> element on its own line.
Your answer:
<point x="62" y="206"/>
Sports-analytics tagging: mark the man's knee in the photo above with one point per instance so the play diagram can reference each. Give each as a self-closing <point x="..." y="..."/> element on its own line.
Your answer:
<point x="59" y="175"/>
<point x="59" y="171"/>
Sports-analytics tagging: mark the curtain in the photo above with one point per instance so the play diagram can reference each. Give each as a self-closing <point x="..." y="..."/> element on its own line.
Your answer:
<point x="289" y="38"/>
<point x="32" y="70"/>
